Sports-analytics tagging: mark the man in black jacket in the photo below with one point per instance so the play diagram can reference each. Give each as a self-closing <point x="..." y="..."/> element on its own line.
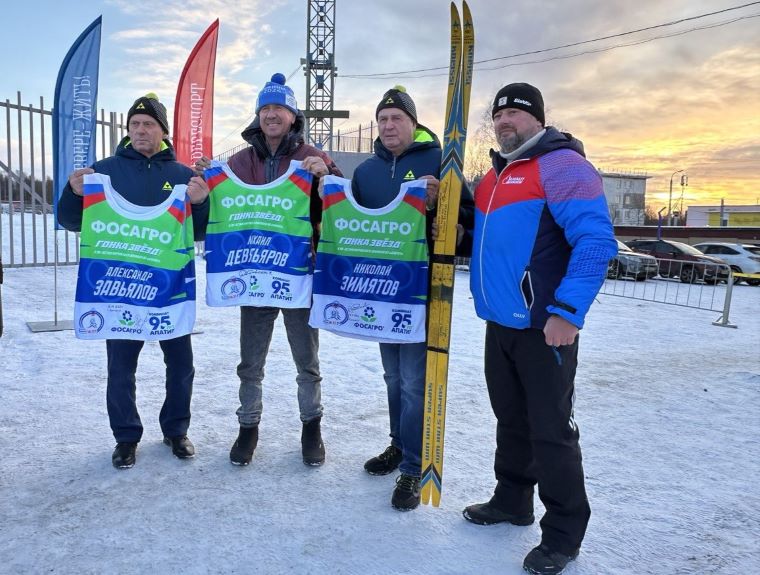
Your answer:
<point x="405" y="150"/>
<point x="144" y="170"/>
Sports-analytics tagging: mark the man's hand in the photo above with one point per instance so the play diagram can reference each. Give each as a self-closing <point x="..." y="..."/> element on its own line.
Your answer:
<point x="431" y="193"/>
<point x="197" y="189"/>
<point x="559" y="331"/>
<point x="315" y="165"/>
<point x="201" y="165"/>
<point x="76" y="180"/>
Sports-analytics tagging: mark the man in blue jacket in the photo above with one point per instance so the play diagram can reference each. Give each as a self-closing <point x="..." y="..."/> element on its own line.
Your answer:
<point x="541" y="243"/>
<point x="404" y="151"/>
<point x="144" y="170"/>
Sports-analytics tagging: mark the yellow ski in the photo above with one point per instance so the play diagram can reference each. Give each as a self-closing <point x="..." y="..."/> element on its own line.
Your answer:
<point x="442" y="260"/>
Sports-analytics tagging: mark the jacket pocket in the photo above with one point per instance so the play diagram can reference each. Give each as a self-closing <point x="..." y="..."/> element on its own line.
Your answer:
<point x="526" y="289"/>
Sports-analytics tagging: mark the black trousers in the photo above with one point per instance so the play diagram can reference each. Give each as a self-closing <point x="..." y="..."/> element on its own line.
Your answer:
<point x="531" y="387"/>
<point x="121" y="393"/>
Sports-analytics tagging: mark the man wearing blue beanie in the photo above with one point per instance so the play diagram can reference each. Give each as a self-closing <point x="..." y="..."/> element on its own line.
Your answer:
<point x="276" y="137"/>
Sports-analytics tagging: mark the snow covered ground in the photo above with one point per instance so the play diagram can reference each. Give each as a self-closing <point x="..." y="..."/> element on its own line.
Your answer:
<point x="668" y="406"/>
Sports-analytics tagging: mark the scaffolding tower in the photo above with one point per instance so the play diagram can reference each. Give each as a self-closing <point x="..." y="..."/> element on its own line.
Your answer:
<point x="320" y="72"/>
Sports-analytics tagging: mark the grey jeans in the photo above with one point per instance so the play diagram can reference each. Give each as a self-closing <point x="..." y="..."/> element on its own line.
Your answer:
<point x="256" y="327"/>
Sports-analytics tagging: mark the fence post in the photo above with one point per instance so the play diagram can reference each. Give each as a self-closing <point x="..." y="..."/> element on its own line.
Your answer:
<point x="114" y="138"/>
<point x="723" y="320"/>
<point x="359" y="140"/>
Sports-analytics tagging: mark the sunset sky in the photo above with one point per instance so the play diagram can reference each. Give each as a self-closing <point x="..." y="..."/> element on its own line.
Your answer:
<point x="677" y="97"/>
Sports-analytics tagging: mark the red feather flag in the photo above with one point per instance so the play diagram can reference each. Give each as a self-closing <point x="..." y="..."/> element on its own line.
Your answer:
<point x="194" y="105"/>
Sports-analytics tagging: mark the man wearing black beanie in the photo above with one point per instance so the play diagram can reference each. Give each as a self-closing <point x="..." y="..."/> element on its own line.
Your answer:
<point x="144" y="171"/>
<point x="404" y="151"/>
<point x="541" y="242"/>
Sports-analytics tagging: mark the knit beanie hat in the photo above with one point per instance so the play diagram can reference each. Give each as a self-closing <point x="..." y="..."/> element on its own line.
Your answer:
<point x="276" y="92"/>
<point x="521" y="96"/>
<point x="397" y="97"/>
<point x="149" y="104"/>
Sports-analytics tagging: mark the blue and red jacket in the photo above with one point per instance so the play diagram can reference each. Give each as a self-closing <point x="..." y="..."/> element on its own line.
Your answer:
<point x="542" y="236"/>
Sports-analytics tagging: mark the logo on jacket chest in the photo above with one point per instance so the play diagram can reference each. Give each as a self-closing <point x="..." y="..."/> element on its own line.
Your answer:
<point x="513" y="180"/>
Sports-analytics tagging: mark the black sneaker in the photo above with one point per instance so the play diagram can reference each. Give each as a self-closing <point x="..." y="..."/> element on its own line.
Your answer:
<point x="124" y="455"/>
<point x="406" y="495"/>
<point x="385" y="463"/>
<point x="489" y="514"/>
<point x="312" y="448"/>
<point x="182" y="447"/>
<point x="543" y="561"/>
<point x="244" y="446"/>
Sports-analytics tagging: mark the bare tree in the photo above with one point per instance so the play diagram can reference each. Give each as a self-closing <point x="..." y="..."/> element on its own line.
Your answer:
<point x="477" y="159"/>
<point x="650" y="216"/>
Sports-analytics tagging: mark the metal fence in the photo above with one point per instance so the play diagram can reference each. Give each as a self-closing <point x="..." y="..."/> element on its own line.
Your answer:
<point x="710" y="289"/>
<point x="26" y="187"/>
<point x="28" y="236"/>
<point x="707" y="287"/>
<point x="359" y="140"/>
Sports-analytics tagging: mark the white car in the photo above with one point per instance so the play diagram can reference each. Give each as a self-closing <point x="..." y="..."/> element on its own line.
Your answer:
<point x="743" y="258"/>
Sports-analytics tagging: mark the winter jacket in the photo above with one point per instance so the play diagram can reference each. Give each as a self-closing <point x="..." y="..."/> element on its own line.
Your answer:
<point x="139" y="180"/>
<point x="378" y="179"/>
<point x="257" y="165"/>
<point x="542" y="236"/>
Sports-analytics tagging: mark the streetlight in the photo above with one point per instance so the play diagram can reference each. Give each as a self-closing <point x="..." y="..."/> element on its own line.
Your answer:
<point x="684" y="183"/>
<point x="670" y="197"/>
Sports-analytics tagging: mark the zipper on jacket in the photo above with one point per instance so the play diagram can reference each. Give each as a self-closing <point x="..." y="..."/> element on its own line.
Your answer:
<point x="147" y="178"/>
<point x="526" y="288"/>
<point x="393" y="168"/>
<point x="272" y="163"/>
<point x="485" y="223"/>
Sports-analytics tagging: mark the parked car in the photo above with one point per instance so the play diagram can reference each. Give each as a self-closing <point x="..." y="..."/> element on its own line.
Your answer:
<point x="743" y="258"/>
<point x="629" y="264"/>
<point x="679" y="260"/>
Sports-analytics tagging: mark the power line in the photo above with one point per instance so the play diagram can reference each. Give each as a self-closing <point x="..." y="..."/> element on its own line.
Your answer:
<point x="382" y="75"/>
<point x="623" y="45"/>
<point x="590" y="51"/>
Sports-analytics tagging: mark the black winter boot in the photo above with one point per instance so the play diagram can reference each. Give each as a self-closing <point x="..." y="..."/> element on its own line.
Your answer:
<point x="385" y="463"/>
<point x="242" y="450"/>
<point x="406" y="496"/>
<point x="543" y="561"/>
<point x="489" y="513"/>
<point x="181" y="446"/>
<point x="124" y="455"/>
<point x="312" y="448"/>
